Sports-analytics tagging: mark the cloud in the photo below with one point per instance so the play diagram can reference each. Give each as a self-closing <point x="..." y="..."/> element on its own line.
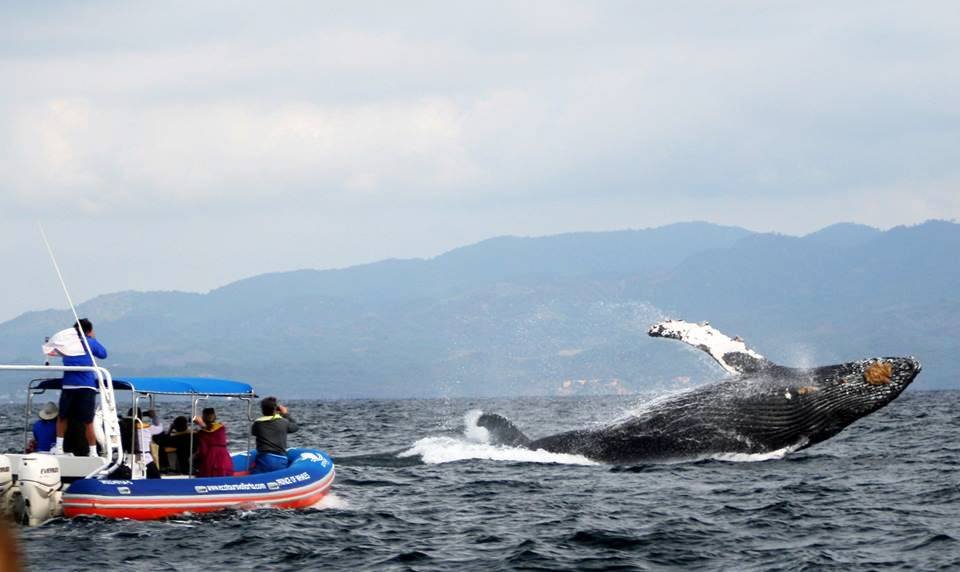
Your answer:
<point x="120" y="158"/>
<point x="516" y="102"/>
<point x="399" y="129"/>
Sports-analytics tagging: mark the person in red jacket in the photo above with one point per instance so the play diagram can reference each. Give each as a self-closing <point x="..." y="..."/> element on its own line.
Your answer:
<point x="214" y="459"/>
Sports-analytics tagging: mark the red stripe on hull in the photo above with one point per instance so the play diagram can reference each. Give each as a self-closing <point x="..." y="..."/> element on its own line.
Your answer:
<point x="160" y="508"/>
<point x="157" y="513"/>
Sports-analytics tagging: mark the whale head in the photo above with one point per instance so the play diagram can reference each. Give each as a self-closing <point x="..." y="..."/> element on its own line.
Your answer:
<point x="847" y="392"/>
<point x="876" y="382"/>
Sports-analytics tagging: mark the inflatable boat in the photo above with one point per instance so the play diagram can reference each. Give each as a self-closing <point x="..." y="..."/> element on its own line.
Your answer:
<point x="38" y="486"/>
<point x="301" y="485"/>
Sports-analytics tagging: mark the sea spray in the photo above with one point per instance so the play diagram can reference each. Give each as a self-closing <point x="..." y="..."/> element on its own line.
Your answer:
<point x="471" y="430"/>
<point x="475" y="445"/>
<point x="332" y="501"/>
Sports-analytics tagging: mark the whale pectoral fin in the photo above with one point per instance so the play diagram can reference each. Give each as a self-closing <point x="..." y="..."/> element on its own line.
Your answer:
<point x="745" y="363"/>
<point x="502" y="431"/>
<point x="732" y="354"/>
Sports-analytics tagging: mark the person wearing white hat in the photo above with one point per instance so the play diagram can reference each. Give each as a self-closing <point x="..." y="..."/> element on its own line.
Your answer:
<point x="45" y="428"/>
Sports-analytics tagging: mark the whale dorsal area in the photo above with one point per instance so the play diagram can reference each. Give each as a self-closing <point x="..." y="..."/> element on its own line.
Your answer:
<point x="502" y="431"/>
<point x="732" y="354"/>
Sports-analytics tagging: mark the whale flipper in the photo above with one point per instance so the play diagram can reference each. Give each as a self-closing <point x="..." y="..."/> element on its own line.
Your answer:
<point x="731" y="353"/>
<point x="502" y="431"/>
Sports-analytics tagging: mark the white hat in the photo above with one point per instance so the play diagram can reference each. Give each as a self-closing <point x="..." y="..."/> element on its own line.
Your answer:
<point x="48" y="411"/>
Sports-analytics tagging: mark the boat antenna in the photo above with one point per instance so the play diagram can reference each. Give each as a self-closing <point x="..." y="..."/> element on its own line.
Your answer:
<point x="83" y="338"/>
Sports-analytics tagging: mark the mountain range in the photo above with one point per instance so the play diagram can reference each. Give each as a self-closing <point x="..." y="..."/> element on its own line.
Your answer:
<point x="549" y="315"/>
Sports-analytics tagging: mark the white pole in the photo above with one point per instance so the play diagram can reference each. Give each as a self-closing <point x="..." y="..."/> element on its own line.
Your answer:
<point x="111" y="428"/>
<point x="83" y="338"/>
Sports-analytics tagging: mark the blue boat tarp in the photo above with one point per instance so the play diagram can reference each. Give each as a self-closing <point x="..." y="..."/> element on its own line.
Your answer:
<point x="173" y="386"/>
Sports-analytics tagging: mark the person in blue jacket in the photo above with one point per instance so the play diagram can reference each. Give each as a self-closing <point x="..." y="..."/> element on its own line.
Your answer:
<point x="78" y="398"/>
<point x="44" y="429"/>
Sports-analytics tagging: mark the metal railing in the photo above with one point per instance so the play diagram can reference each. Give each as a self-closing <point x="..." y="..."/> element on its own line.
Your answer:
<point x="113" y="447"/>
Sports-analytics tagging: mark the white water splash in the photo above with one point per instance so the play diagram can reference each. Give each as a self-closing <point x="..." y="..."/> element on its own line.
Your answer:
<point x="475" y="444"/>
<point x="331" y="501"/>
<point x="437" y="450"/>
<point x="755" y="457"/>
<point x="471" y="430"/>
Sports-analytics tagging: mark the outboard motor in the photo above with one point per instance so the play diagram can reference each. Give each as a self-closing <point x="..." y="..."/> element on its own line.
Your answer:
<point x="7" y="487"/>
<point x="40" y="497"/>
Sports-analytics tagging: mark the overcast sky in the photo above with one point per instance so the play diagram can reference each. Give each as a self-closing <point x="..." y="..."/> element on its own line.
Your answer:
<point x="184" y="145"/>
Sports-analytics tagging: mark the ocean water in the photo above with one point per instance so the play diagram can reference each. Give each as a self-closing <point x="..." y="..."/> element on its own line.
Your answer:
<point x="417" y="489"/>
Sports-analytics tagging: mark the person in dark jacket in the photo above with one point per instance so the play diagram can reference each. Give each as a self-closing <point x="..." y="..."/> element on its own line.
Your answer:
<point x="176" y="447"/>
<point x="271" y="432"/>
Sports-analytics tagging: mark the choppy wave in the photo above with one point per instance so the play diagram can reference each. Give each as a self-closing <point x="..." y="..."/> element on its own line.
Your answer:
<point x="881" y="495"/>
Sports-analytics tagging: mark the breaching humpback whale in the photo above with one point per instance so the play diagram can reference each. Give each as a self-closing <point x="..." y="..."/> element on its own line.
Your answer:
<point x="763" y="408"/>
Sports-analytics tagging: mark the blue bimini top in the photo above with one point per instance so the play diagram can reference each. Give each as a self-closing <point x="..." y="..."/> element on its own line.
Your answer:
<point x="173" y="386"/>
